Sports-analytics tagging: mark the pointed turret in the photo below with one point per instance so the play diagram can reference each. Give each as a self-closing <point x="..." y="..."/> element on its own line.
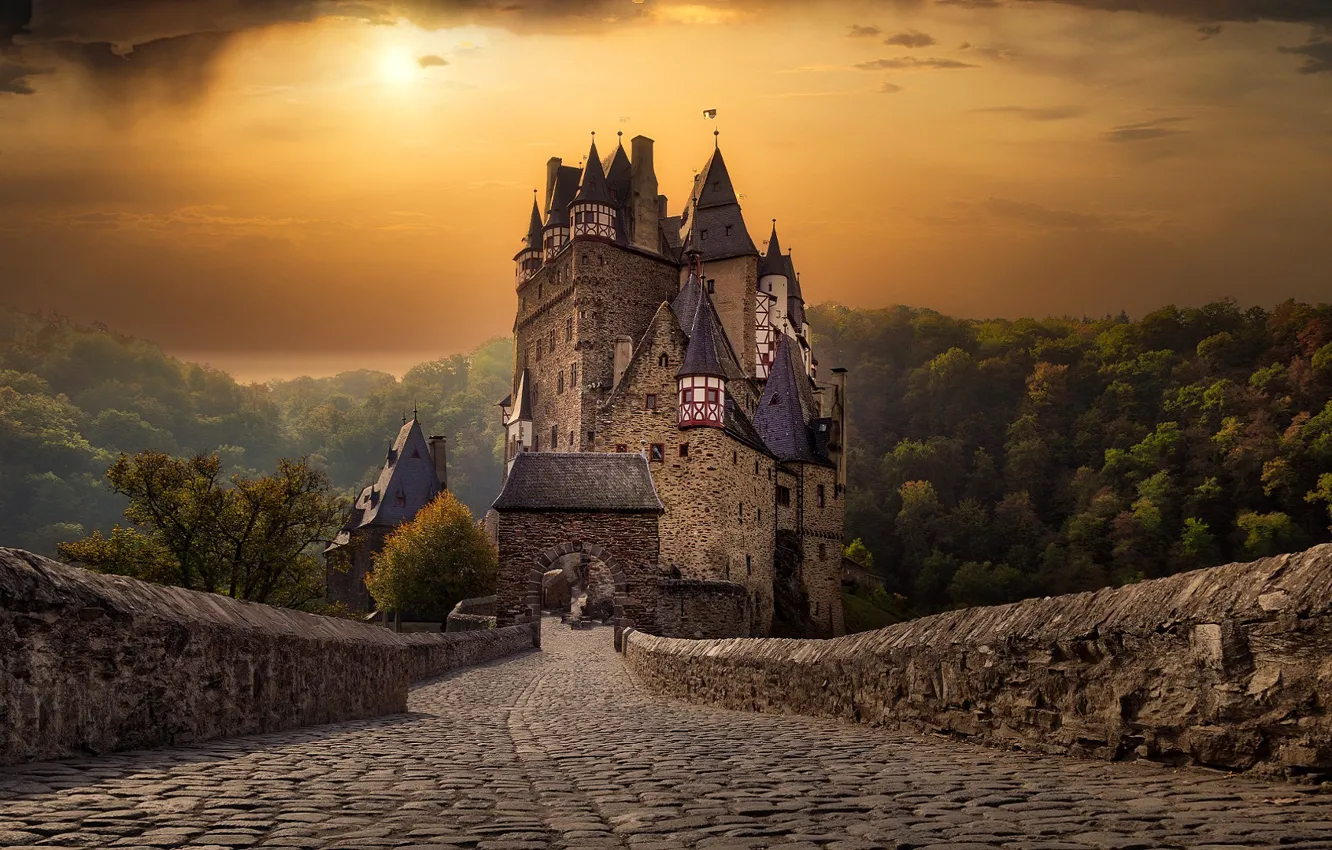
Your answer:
<point x="773" y="261"/>
<point x="619" y="174"/>
<point x="563" y="185"/>
<point x="593" y="210"/>
<point x="529" y="258"/>
<point x="701" y="378"/>
<point x="713" y="218"/>
<point x="786" y="410"/>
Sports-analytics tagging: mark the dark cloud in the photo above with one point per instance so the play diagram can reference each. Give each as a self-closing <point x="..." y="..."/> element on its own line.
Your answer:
<point x="16" y="77"/>
<point x="1317" y="56"/>
<point x="858" y="31"/>
<point x="1217" y="11"/>
<point x="177" y="69"/>
<point x="1029" y="213"/>
<point x="432" y="61"/>
<point x="890" y="88"/>
<point x="907" y="63"/>
<point x="1158" y="128"/>
<point x="1206" y="31"/>
<point x="911" y="38"/>
<point x="1036" y="113"/>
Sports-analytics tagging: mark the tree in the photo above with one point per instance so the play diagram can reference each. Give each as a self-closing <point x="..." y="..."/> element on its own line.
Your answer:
<point x="859" y="553"/>
<point x="1268" y="534"/>
<point x="430" y="563"/>
<point x="252" y="538"/>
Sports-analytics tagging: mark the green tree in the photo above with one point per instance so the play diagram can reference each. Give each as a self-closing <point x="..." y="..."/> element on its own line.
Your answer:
<point x="430" y="563"/>
<point x="1268" y="534"/>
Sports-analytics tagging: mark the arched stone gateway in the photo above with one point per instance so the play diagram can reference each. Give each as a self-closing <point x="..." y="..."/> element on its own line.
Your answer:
<point x="600" y="505"/>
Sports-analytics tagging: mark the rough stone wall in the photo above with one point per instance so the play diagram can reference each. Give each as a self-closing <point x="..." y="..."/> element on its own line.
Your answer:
<point x="688" y="608"/>
<point x="821" y="541"/>
<point x="608" y="292"/>
<point x="1229" y="667"/>
<point x="629" y="540"/>
<point x="92" y="663"/>
<point x="433" y="654"/>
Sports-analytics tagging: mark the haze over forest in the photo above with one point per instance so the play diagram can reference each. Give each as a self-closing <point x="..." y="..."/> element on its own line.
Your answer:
<point x="290" y="187"/>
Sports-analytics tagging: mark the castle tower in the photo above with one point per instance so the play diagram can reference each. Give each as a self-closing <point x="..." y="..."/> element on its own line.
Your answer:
<point x="770" y="304"/>
<point x="561" y="185"/>
<point x="715" y="227"/>
<point x="529" y="259"/>
<point x="593" y="210"/>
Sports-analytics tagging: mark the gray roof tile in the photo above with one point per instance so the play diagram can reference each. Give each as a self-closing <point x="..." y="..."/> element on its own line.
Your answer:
<point x="786" y="409"/>
<point x="579" y="482"/>
<point x="593" y="187"/>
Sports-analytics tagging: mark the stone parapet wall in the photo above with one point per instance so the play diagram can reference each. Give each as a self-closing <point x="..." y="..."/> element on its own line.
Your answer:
<point x="95" y="663"/>
<point x="692" y="608"/>
<point x="469" y="622"/>
<point x="1229" y="667"/>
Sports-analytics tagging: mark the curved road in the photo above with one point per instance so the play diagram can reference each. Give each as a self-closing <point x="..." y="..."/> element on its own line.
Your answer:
<point x="559" y="749"/>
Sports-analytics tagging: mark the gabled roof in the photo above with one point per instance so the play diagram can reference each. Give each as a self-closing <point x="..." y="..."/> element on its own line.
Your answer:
<point x="579" y="482"/>
<point x="737" y="425"/>
<point x="619" y="173"/>
<point x="592" y="188"/>
<point x="409" y="472"/>
<point x="786" y="410"/>
<point x="687" y="301"/>
<point x="566" y="186"/>
<point x="523" y="409"/>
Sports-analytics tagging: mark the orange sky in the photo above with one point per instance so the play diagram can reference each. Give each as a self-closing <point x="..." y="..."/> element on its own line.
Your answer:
<point x="303" y="191"/>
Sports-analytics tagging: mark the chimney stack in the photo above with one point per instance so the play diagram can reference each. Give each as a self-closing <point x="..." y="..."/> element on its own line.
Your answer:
<point x="441" y="457"/>
<point x="552" y="173"/>
<point x="643" y="185"/>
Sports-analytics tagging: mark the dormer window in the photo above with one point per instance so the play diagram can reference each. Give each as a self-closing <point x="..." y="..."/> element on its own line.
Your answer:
<point x="703" y="234"/>
<point x="728" y="230"/>
<point x="400" y="500"/>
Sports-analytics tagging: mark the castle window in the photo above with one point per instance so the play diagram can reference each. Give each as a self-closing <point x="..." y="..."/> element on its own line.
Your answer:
<point x="684" y="450"/>
<point x="687" y="396"/>
<point x="621" y="448"/>
<point x="650" y="401"/>
<point x="541" y="289"/>
<point x="712" y="285"/>
<point x="749" y="565"/>
<point x="552" y="341"/>
<point x="756" y="466"/>
<point x="591" y="435"/>
<point x="539" y="347"/>
<point x="568" y="329"/>
<point x="554" y="438"/>
<point x="713" y="395"/>
<point x="728" y="230"/>
<point x="559" y="383"/>
<point x="760" y="516"/>
<point x="823" y="551"/>
<point x="818" y="499"/>
<point x="735" y="457"/>
<point x="658" y="453"/>
<point x="740" y="514"/>
<point x="783" y="496"/>
<point x="400" y="500"/>
<point x="536" y="442"/>
<point x="573" y="375"/>
<point x="663" y="360"/>
<point x="703" y="234"/>
<point x="571" y="440"/>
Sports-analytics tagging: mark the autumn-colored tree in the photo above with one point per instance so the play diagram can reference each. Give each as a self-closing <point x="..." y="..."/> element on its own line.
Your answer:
<point x="430" y="563"/>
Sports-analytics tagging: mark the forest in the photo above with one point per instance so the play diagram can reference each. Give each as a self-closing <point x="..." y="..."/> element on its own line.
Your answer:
<point x="988" y="459"/>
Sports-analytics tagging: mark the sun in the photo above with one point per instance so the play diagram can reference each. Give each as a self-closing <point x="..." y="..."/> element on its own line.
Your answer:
<point x="398" y="68"/>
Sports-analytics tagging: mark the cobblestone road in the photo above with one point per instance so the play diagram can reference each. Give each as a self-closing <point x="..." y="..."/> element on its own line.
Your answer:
<point x="558" y="749"/>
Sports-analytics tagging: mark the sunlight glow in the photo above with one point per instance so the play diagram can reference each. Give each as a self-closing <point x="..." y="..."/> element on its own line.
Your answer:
<point x="398" y="68"/>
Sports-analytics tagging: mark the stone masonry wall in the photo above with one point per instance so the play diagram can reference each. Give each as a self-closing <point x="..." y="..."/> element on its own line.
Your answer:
<point x="92" y="663"/>
<point x="821" y="540"/>
<point x="702" y="609"/>
<point x="1229" y="667"/>
<point x="628" y="539"/>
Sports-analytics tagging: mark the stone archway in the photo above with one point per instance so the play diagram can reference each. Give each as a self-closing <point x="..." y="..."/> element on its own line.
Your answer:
<point x="551" y="556"/>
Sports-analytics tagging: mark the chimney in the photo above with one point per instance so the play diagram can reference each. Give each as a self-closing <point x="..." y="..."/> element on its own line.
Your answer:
<point x="552" y="172"/>
<point x="624" y="349"/>
<point x="643" y="184"/>
<point x="441" y="458"/>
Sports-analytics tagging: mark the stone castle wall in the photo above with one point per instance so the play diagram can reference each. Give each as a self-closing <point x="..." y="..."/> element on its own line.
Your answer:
<point x="93" y="663"/>
<point x="702" y="609"/>
<point x="1229" y="667"/>
<point x="734" y="292"/>
<point x="821" y="540"/>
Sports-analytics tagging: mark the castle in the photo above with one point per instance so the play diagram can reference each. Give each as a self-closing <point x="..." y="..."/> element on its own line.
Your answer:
<point x="673" y="337"/>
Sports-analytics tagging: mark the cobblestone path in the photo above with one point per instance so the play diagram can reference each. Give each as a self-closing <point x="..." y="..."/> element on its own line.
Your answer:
<point x="558" y="749"/>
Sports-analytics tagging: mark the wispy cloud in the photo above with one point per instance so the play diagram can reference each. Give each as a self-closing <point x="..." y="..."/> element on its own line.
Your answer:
<point x="890" y="88"/>
<point x="1036" y="113"/>
<point x="432" y="61"/>
<point x="1158" y="128"/>
<point x="910" y="63"/>
<point x="1317" y="56"/>
<point x="910" y="38"/>
<point x="858" y="31"/>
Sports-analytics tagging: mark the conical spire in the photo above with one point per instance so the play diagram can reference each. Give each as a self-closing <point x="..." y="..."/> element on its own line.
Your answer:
<point x="786" y="408"/>
<point x="619" y="173"/>
<point x="773" y="262"/>
<point x="715" y="188"/>
<point x="534" y="226"/>
<point x="707" y="340"/>
<point x="593" y="187"/>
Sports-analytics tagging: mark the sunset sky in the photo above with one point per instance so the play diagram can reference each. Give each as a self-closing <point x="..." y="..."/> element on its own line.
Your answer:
<point x="306" y="186"/>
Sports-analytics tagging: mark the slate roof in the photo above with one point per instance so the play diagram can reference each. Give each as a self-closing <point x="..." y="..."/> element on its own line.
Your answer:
<point x="774" y="261"/>
<point x="707" y="339"/>
<point x="712" y="186"/>
<point x="409" y="471"/>
<point x="579" y="482"/>
<point x="566" y="186"/>
<point x="592" y="188"/>
<point x="532" y="242"/>
<point x="786" y="409"/>
<point x="737" y="424"/>
<point x="619" y="173"/>
<point x="712" y="222"/>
